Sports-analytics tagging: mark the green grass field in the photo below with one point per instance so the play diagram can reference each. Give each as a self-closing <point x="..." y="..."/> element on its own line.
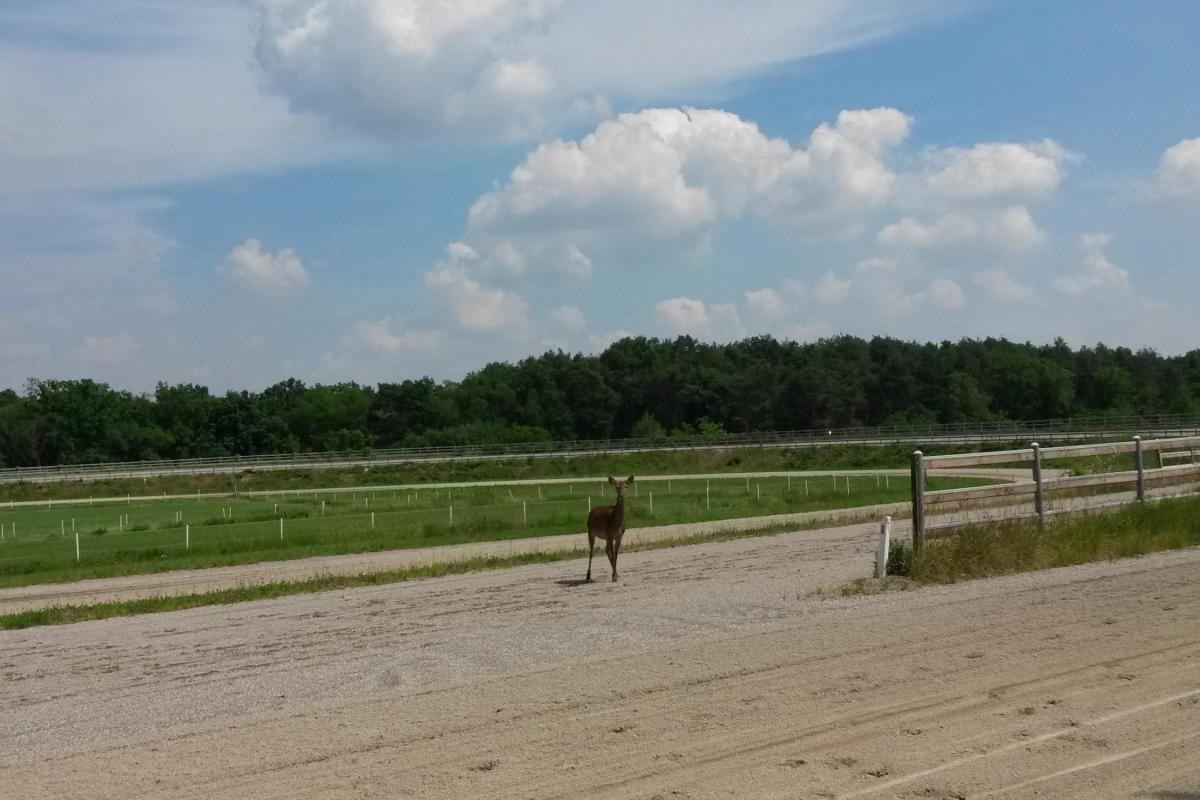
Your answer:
<point x="667" y="462"/>
<point x="39" y="544"/>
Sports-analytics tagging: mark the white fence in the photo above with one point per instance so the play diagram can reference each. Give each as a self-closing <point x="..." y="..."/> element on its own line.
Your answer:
<point x="1039" y="488"/>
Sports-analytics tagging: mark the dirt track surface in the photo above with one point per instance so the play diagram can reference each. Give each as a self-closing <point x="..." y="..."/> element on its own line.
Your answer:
<point x="709" y="671"/>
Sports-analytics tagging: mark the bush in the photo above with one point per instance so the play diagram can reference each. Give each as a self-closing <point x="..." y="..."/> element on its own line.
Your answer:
<point x="899" y="559"/>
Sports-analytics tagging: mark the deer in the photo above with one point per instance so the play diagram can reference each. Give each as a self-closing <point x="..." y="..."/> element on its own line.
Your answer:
<point x="608" y="523"/>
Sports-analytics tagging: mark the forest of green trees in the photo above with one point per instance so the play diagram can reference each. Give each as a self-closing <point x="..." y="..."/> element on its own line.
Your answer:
<point x="638" y="386"/>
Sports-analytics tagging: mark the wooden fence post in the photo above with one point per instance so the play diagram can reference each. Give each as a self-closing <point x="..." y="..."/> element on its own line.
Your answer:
<point x="1039" y="497"/>
<point x="1139" y="465"/>
<point x="918" y="501"/>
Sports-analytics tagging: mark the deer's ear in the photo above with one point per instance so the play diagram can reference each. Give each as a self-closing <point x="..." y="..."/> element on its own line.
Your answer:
<point x="612" y="480"/>
<point x="630" y="480"/>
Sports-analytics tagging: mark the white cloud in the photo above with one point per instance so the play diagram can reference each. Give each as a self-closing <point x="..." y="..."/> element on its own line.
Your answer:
<point x="1099" y="276"/>
<point x="1179" y="170"/>
<point x="601" y="341"/>
<point x="995" y="169"/>
<point x="672" y="174"/>
<point x="685" y="316"/>
<point x="108" y="351"/>
<point x="476" y="307"/>
<point x="250" y="266"/>
<point x="512" y="68"/>
<point x="1015" y="228"/>
<point x="950" y="229"/>
<point x="379" y="337"/>
<point x="1012" y="227"/>
<point x="942" y="293"/>
<point x="410" y="68"/>
<point x="832" y="289"/>
<point x="1002" y="287"/>
<point x="569" y="318"/>
<point x="766" y="303"/>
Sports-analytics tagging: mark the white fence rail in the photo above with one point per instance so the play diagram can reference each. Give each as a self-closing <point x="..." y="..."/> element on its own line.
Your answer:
<point x="1038" y="488"/>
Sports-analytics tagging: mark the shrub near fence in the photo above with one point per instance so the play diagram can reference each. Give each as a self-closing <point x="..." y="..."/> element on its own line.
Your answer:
<point x="1039" y="488"/>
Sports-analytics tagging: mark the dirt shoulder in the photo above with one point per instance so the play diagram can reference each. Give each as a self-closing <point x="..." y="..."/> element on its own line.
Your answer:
<point x="709" y="671"/>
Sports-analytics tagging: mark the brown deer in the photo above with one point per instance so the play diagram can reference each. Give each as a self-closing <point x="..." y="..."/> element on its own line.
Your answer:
<point x="608" y="523"/>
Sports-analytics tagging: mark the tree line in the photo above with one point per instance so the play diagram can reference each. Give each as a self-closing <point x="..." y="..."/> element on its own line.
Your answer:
<point x="639" y="386"/>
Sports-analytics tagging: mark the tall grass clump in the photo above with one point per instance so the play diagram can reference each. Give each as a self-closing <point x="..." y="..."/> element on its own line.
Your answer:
<point x="1019" y="546"/>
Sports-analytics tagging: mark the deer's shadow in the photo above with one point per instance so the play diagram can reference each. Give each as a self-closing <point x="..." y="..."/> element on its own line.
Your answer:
<point x="571" y="583"/>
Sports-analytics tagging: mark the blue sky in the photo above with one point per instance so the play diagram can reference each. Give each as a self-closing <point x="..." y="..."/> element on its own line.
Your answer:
<point x="239" y="191"/>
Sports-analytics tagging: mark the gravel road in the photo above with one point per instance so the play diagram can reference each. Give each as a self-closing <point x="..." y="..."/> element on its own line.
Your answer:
<point x="710" y="671"/>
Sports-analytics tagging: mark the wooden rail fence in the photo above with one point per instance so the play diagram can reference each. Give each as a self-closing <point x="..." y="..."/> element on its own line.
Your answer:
<point x="1038" y="487"/>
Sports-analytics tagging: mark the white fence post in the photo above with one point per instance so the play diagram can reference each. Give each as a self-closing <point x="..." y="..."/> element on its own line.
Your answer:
<point x="1039" y="495"/>
<point x="187" y="537"/>
<point x="1139" y="465"/>
<point x="372" y="520"/>
<point x="885" y="545"/>
<point x="525" y="512"/>
<point x="76" y="547"/>
<point x="281" y="529"/>
<point x="652" y="504"/>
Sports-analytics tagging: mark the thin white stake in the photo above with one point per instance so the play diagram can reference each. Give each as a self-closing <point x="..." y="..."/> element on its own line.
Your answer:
<point x="281" y="529"/>
<point x="885" y="482"/>
<point x="589" y="504"/>
<point x="72" y="524"/>
<point x="758" y="488"/>
<point x="847" y="485"/>
<point x="365" y="503"/>
<point x="885" y="537"/>
<point x="747" y="486"/>
<point x="806" y="487"/>
<point x="510" y="494"/>
<point x="1" y="531"/>
<point x="120" y="524"/>
<point x="451" y="513"/>
<point x="539" y="491"/>
<point x="525" y="513"/>
<point x="372" y="520"/>
<point x="76" y="547"/>
<point x="276" y="508"/>
<point x="62" y="527"/>
<point x="572" y="488"/>
<point x="876" y="480"/>
<point x="652" y="504"/>
<point x="789" y="483"/>
<point x="187" y="537"/>
<point x="322" y="508"/>
<point x="707" y="498"/>
<point x="668" y="487"/>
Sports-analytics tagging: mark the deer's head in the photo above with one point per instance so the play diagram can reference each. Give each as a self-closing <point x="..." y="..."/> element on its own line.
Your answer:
<point x="620" y="484"/>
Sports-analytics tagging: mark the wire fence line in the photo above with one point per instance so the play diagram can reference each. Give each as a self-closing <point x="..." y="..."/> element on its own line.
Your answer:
<point x="1071" y="429"/>
<point x="51" y="543"/>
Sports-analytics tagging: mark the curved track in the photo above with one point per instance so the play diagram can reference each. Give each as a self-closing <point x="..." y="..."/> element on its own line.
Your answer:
<point x="709" y="671"/>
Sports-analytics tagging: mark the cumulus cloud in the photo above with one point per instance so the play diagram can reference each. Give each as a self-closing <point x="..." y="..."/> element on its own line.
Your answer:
<point x="1099" y="275"/>
<point x="832" y="289"/>
<point x="516" y="68"/>
<point x="996" y="169"/>
<point x="1001" y="286"/>
<point x="1179" y="170"/>
<point x="378" y="336"/>
<point x="686" y="316"/>
<point x="108" y="351"/>
<point x="250" y="266"/>
<point x="415" y="67"/>
<point x="569" y="319"/>
<point x="1012" y="227"/>
<point x="476" y="307"/>
<point x="675" y="173"/>
<point x="766" y="303"/>
<point x="600" y="341"/>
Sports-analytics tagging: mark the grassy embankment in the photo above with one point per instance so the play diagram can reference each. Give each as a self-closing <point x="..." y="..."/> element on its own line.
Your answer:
<point x="683" y="462"/>
<point x="1012" y="546"/>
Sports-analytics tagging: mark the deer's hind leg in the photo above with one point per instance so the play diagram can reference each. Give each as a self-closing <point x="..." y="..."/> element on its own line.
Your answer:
<point x="591" y="548"/>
